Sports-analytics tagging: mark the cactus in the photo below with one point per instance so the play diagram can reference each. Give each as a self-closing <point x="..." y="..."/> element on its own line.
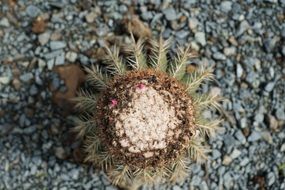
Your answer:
<point x="145" y="126"/>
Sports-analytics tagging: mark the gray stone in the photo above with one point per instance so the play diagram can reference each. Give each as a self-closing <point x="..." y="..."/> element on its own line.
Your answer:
<point x="271" y="1"/>
<point x="176" y="187"/>
<point x="90" y="17"/>
<point x="239" y="70"/>
<point x="33" y="11"/>
<point x="200" y="37"/>
<point x="123" y="8"/>
<point x="33" y="90"/>
<point x="270" y="178"/>
<point x="219" y="56"/>
<point x="270" y="43"/>
<point x="30" y="129"/>
<point x="5" y="128"/>
<point x="259" y="117"/>
<point x="228" y="180"/>
<point x="4" y="22"/>
<point x="170" y="14"/>
<point x="26" y="77"/>
<point x="53" y="54"/>
<point x="147" y="15"/>
<point x="244" y="161"/>
<point x="235" y="154"/>
<point x="270" y="86"/>
<point x="44" y="38"/>
<point x="273" y="123"/>
<point x="267" y="136"/>
<point x="240" y="137"/>
<point x="64" y="188"/>
<point x="195" y="168"/>
<point x="58" y="4"/>
<point x="102" y="30"/>
<point x="228" y="51"/>
<point x="190" y="2"/>
<point x="55" y="45"/>
<point x="196" y="180"/>
<point x="203" y="186"/>
<point x="110" y="188"/>
<point x="182" y="34"/>
<point x="282" y="149"/>
<point x="243" y="27"/>
<point x="243" y="123"/>
<point x="229" y="141"/>
<point x="5" y="79"/>
<point x="60" y="153"/>
<point x="41" y="63"/>
<point x="71" y="56"/>
<point x="55" y="82"/>
<point x="216" y="154"/>
<point x="254" y="136"/>
<point x="25" y="63"/>
<point x="280" y="113"/>
<point x="59" y="60"/>
<point x="251" y="77"/>
<point x="193" y="23"/>
<point x="37" y="160"/>
<point x="226" y="6"/>
<point x="50" y="64"/>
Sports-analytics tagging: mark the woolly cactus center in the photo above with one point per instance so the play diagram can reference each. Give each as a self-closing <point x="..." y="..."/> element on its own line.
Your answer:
<point x="149" y="122"/>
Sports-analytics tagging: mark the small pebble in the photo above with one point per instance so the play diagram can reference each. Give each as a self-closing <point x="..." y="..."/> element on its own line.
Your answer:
<point x="33" y="11"/>
<point x="50" y="64"/>
<point x="219" y="56"/>
<point x="254" y="136"/>
<point x="170" y="14"/>
<point x="201" y="38"/>
<point x="235" y="154"/>
<point x="239" y="71"/>
<point x="44" y="38"/>
<point x="26" y="77"/>
<point x="271" y="178"/>
<point x="5" y="80"/>
<point x="280" y="113"/>
<point x="226" y="6"/>
<point x="216" y="154"/>
<point x="4" y="22"/>
<point x="59" y="60"/>
<point x="55" y="45"/>
<point x="193" y="23"/>
<point x="90" y="17"/>
<point x="71" y="56"/>
<point x="244" y="161"/>
<point x="60" y="153"/>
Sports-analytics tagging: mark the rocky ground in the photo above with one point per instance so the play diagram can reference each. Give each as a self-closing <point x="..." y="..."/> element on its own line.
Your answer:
<point x="43" y="43"/>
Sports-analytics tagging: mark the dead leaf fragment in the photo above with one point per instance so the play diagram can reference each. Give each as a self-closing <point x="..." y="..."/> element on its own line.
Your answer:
<point x="73" y="76"/>
<point x="137" y="27"/>
<point x="12" y="3"/>
<point x="191" y="68"/>
<point x="39" y="25"/>
<point x="78" y="155"/>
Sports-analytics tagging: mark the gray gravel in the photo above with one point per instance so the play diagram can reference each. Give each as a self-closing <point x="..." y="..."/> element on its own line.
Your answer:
<point x="242" y="40"/>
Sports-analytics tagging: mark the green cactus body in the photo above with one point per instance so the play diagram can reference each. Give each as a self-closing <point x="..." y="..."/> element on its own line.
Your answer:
<point x="145" y="125"/>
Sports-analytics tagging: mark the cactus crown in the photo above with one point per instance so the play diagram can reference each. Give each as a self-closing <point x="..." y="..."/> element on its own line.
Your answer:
<point x="146" y="125"/>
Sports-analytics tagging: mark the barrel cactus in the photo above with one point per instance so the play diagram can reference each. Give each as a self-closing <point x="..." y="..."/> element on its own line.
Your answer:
<point x="144" y="125"/>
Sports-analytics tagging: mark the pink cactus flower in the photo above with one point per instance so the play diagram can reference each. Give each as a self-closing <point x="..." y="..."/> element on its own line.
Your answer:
<point x="141" y="86"/>
<point x="114" y="102"/>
